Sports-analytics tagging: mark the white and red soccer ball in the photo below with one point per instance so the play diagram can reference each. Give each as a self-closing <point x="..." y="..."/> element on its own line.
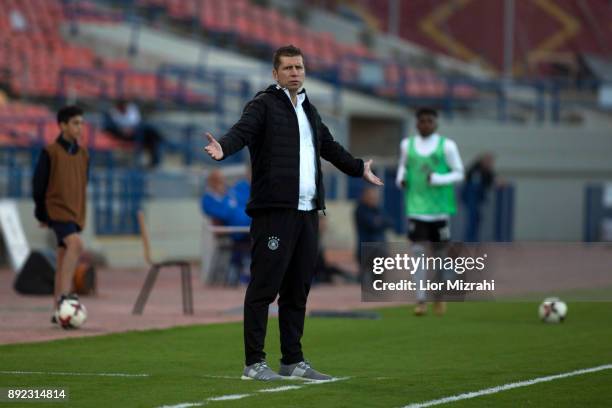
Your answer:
<point x="552" y="310"/>
<point x="71" y="314"/>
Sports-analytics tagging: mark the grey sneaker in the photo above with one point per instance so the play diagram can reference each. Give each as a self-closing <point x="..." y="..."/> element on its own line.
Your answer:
<point x="260" y="371"/>
<point x="302" y="371"/>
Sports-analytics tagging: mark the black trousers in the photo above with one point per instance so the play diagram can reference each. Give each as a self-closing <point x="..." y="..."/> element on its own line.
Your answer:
<point x="283" y="256"/>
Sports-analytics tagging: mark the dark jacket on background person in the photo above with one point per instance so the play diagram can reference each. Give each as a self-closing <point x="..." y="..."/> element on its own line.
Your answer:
<point x="269" y="127"/>
<point x="60" y="182"/>
<point x="478" y="181"/>
<point x="371" y="224"/>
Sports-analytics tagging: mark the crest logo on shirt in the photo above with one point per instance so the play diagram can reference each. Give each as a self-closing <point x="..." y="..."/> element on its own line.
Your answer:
<point x="273" y="243"/>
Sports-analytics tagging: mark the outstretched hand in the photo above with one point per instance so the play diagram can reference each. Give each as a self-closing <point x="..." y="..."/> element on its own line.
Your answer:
<point x="213" y="148"/>
<point x="369" y="176"/>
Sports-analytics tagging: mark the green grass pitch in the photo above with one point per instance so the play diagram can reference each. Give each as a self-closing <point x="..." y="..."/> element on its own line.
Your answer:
<point x="392" y="362"/>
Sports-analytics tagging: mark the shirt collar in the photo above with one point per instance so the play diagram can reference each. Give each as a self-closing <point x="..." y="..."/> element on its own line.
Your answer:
<point x="301" y="95"/>
<point x="71" y="147"/>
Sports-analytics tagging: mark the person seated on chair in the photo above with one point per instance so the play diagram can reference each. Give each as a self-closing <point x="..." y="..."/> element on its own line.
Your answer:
<point x="215" y="201"/>
<point x="124" y="122"/>
<point x="226" y="206"/>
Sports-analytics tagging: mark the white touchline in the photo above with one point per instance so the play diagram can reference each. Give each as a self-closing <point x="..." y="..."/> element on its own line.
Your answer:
<point x="281" y="389"/>
<point x="334" y="379"/>
<point x="230" y="397"/>
<point x="506" y="387"/>
<point x="184" y="405"/>
<point x="78" y="374"/>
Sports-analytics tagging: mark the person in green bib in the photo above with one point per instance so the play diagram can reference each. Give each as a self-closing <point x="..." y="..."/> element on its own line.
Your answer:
<point x="429" y="166"/>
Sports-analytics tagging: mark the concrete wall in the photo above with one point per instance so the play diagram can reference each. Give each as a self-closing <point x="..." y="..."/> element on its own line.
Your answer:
<point x="549" y="166"/>
<point x="175" y="228"/>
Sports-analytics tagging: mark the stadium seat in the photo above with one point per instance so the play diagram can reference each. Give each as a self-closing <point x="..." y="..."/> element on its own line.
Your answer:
<point x="32" y="62"/>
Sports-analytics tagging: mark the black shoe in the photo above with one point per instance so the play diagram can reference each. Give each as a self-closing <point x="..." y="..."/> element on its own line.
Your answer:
<point x="70" y="296"/>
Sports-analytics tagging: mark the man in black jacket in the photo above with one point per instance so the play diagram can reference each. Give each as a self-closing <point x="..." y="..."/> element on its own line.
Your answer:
<point x="286" y="140"/>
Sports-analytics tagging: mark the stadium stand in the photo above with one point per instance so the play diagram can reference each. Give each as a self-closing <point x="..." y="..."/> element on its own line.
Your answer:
<point x="38" y="62"/>
<point x="265" y="29"/>
<point x="548" y="35"/>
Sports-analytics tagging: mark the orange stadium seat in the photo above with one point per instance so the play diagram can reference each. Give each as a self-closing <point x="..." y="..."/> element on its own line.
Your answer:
<point x="31" y="61"/>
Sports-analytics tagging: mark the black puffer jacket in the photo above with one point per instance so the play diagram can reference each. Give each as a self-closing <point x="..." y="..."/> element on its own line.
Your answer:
<point x="269" y="127"/>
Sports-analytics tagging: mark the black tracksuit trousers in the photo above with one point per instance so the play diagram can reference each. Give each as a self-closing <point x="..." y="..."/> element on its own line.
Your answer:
<point x="283" y="256"/>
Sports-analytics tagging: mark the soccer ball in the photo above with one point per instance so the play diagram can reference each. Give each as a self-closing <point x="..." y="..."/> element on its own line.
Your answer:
<point x="71" y="314"/>
<point x="552" y="310"/>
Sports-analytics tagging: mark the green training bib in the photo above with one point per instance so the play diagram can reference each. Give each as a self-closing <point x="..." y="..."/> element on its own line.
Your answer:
<point x="421" y="197"/>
